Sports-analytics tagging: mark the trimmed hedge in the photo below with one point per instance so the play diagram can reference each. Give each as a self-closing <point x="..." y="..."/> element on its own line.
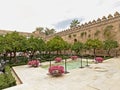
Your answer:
<point x="6" y="79"/>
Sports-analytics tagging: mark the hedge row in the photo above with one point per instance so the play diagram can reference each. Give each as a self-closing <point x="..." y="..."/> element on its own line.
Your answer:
<point x="6" y="79"/>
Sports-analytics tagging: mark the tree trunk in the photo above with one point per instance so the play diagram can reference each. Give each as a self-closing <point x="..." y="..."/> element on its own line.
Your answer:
<point x="108" y="52"/>
<point x="94" y="53"/>
<point x="15" y="58"/>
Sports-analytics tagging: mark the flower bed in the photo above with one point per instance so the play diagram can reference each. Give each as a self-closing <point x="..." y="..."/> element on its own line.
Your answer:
<point x="34" y="63"/>
<point x="74" y="57"/>
<point x="56" y="70"/>
<point x="58" y="59"/>
<point x="99" y="59"/>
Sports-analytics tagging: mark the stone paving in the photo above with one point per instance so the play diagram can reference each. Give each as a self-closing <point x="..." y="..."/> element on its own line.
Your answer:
<point x="102" y="76"/>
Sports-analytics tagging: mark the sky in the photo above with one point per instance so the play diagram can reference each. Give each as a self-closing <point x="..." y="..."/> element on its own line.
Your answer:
<point x="26" y="15"/>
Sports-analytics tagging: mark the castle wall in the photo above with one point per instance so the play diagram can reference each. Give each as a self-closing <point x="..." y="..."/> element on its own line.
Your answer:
<point x="84" y="31"/>
<point x="94" y="29"/>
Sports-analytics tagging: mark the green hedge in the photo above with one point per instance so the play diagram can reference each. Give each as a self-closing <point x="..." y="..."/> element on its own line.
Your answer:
<point x="7" y="80"/>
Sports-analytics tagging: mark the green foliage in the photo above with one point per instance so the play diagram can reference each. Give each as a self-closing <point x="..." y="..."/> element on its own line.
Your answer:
<point x="97" y="33"/>
<point x="82" y="34"/>
<point x="77" y="47"/>
<point x="40" y="29"/>
<point x="110" y="44"/>
<point x="35" y="44"/>
<point x="69" y="36"/>
<point x="94" y="44"/>
<point x="107" y="32"/>
<point x="74" y="35"/>
<point x="49" y="31"/>
<point x="74" y="23"/>
<point x="7" y="80"/>
<point x="57" y="44"/>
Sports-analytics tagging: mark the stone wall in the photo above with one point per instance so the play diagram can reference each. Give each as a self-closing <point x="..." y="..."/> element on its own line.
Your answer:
<point x="92" y="29"/>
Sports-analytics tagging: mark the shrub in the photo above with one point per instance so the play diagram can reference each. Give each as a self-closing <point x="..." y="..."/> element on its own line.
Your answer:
<point x="58" y="59"/>
<point x="99" y="59"/>
<point x="34" y="63"/>
<point x="74" y="57"/>
<point x="6" y="79"/>
<point x="56" y="70"/>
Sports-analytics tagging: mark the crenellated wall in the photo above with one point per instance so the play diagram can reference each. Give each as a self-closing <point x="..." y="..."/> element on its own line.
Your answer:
<point x="92" y="29"/>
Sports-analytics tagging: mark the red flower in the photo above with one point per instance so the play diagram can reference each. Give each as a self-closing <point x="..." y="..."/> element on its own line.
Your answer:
<point x="99" y="59"/>
<point x="58" y="59"/>
<point x="56" y="70"/>
<point x="34" y="63"/>
<point x="74" y="57"/>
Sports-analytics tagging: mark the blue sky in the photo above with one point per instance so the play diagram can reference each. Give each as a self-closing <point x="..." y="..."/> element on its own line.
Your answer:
<point x="26" y="15"/>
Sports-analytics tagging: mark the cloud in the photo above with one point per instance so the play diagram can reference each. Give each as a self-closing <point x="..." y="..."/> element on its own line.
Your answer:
<point x="65" y="23"/>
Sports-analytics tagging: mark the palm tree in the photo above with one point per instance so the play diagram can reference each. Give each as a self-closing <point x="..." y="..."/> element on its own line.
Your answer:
<point x="49" y="31"/>
<point x="74" y="23"/>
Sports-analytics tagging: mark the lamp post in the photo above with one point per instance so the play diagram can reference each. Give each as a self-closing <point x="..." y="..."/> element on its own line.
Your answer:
<point x="66" y="66"/>
<point x="50" y="58"/>
<point x="50" y="62"/>
<point x="81" y="66"/>
<point x="87" y="62"/>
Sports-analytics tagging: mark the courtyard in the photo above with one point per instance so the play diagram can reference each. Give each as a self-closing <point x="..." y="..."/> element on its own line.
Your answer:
<point x="102" y="76"/>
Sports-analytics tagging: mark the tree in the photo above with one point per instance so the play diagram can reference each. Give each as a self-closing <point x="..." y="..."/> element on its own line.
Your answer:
<point x="77" y="47"/>
<point x="94" y="44"/>
<point x="66" y="46"/>
<point x="110" y="44"/>
<point x="13" y="43"/>
<point x="33" y="45"/>
<point x="56" y="44"/>
<point x="40" y="29"/>
<point x="74" y="23"/>
<point x="49" y="31"/>
<point x="2" y="44"/>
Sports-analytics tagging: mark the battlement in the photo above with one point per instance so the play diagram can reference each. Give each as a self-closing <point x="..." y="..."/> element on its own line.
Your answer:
<point x="95" y="23"/>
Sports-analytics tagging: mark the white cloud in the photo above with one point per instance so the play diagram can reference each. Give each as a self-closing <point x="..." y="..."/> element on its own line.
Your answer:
<point x="26" y="15"/>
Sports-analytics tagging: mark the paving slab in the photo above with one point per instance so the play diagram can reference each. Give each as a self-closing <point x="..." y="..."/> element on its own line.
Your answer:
<point x="102" y="76"/>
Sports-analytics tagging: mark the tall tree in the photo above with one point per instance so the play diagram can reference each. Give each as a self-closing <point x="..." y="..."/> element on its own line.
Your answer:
<point x="13" y="43"/>
<point x="40" y="29"/>
<point x="56" y="44"/>
<point x="77" y="47"/>
<point x="110" y="44"/>
<point x="74" y="23"/>
<point x="32" y="45"/>
<point x="94" y="44"/>
<point x="49" y="31"/>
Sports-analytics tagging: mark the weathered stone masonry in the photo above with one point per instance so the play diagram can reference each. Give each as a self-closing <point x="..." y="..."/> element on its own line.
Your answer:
<point x="92" y="29"/>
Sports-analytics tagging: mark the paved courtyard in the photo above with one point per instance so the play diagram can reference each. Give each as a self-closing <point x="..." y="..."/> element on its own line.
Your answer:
<point x="102" y="76"/>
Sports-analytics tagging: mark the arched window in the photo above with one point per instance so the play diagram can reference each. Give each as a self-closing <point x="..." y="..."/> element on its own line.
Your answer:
<point x="75" y="40"/>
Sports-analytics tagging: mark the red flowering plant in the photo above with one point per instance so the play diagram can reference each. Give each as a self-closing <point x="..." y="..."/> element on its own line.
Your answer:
<point x="99" y="59"/>
<point x="56" y="70"/>
<point x="34" y="63"/>
<point x="74" y="57"/>
<point x="58" y="59"/>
